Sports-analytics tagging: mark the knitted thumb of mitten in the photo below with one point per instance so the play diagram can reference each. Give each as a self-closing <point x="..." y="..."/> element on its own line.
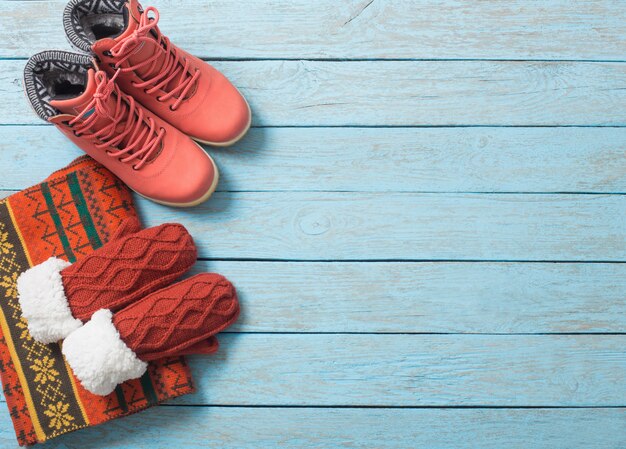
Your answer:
<point x="56" y="297"/>
<point x="204" y="347"/>
<point x="128" y="226"/>
<point x="113" y="348"/>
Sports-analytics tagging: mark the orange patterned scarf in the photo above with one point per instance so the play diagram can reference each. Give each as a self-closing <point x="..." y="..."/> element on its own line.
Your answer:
<point x="70" y="214"/>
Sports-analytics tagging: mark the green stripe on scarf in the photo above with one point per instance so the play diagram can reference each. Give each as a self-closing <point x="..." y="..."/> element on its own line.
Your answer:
<point x="83" y="211"/>
<point x="45" y="190"/>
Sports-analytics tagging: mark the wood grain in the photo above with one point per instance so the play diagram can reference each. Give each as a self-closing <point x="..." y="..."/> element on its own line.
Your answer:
<point x="340" y="226"/>
<point x="333" y="370"/>
<point x="412" y="370"/>
<point x="388" y="132"/>
<point x="428" y="29"/>
<point x="423" y="297"/>
<point x="423" y="93"/>
<point x="427" y="297"/>
<point x="402" y="226"/>
<point x="381" y="159"/>
<point x="203" y="427"/>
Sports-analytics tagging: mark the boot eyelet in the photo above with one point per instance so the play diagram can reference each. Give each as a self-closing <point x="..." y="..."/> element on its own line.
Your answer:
<point x="135" y="168"/>
<point x="112" y="66"/>
<point x="67" y="123"/>
<point x="76" y="134"/>
<point x="107" y="53"/>
<point x="172" y="109"/>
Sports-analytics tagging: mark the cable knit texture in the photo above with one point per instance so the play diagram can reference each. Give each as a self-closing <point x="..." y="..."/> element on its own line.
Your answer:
<point x="174" y="319"/>
<point x="128" y="226"/>
<point x="127" y="269"/>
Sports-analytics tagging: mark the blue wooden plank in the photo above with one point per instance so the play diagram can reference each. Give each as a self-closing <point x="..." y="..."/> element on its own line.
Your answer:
<point x="341" y="226"/>
<point x="380" y="159"/>
<point x="412" y="370"/>
<point x="357" y="370"/>
<point x="401" y="297"/>
<point x="429" y="29"/>
<point x="427" y="297"/>
<point x="204" y="427"/>
<point x="286" y="223"/>
<point x="406" y="93"/>
<point x="402" y="226"/>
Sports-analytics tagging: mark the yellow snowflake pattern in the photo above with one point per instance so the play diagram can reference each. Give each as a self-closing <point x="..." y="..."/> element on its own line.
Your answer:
<point x="10" y="283"/>
<point x="59" y="415"/>
<point x="44" y="369"/>
<point x="23" y="325"/>
<point x="5" y="246"/>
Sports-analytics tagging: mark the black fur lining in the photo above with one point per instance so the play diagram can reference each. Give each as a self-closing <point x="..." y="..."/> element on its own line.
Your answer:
<point x="86" y="21"/>
<point x="46" y="71"/>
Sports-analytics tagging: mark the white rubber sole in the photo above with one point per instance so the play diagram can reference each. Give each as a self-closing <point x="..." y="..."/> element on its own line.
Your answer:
<point x="233" y="141"/>
<point x="200" y="200"/>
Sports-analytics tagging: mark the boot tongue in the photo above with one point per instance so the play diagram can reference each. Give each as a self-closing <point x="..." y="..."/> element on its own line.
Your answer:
<point x="143" y="50"/>
<point x="77" y="105"/>
<point x="132" y="13"/>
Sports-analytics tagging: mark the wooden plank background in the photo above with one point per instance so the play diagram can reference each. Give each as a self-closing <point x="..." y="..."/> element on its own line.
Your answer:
<point x="426" y="224"/>
<point x="466" y="159"/>
<point x="295" y="428"/>
<point x="363" y="29"/>
<point x="414" y="93"/>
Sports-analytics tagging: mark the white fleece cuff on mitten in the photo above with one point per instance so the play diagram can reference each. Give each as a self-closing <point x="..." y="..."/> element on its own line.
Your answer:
<point x="98" y="356"/>
<point x="43" y="301"/>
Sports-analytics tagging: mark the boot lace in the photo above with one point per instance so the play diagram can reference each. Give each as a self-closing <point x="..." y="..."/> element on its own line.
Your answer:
<point x="138" y="142"/>
<point x="163" y="67"/>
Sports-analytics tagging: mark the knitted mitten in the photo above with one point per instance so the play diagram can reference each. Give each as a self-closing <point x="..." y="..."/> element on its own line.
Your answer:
<point x="56" y="297"/>
<point x="128" y="226"/>
<point x="112" y="348"/>
<point x="204" y="347"/>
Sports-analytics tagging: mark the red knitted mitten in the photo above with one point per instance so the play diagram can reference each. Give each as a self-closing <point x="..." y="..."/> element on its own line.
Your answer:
<point x="204" y="347"/>
<point x="112" y="348"/>
<point x="128" y="226"/>
<point x="56" y="297"/>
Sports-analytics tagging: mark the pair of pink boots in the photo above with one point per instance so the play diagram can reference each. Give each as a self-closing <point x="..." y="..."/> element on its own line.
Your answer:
<point x="137" y="103"/>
